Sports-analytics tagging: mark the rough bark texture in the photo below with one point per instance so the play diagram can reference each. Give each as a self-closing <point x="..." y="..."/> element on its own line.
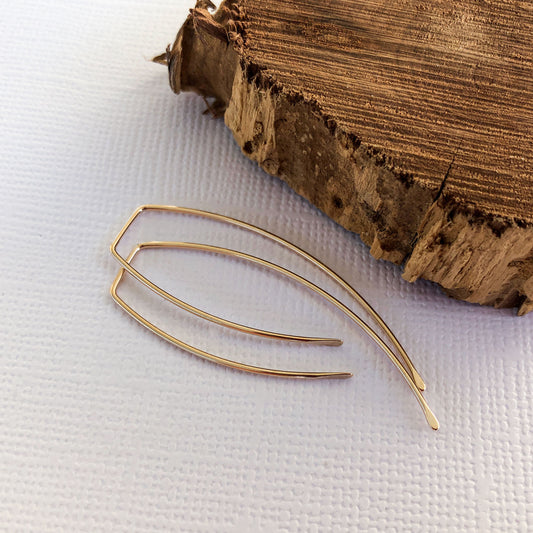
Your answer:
<point x="411" y="124"/>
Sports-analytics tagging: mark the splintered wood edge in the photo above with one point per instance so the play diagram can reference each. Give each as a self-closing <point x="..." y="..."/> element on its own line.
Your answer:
<point x="472" y="255"/>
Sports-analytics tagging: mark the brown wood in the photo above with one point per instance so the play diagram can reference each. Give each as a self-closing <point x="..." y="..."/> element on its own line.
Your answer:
<point x="410" y="123"/>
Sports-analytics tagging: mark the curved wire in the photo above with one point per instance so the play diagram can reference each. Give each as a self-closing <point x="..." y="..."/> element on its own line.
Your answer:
<point x="323" y="341"/>
<point x="419" y="383"/>
<point x="206" y="355"/>
<point x="430" y="417"/>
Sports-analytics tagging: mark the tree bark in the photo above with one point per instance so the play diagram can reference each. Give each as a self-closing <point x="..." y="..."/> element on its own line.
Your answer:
<point x="410" y="125"/>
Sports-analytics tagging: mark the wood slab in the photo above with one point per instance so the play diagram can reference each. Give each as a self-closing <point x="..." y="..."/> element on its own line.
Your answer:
<point x="408" y="122"/>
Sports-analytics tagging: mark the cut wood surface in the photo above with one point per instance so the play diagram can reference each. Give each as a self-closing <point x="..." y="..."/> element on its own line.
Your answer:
<point x="410" y="123"/>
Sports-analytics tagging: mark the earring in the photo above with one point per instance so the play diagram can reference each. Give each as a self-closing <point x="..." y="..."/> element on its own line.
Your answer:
<point x="409" y="372"/>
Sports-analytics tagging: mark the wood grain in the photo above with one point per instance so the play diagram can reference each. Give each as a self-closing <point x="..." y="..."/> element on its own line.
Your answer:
<point x="408" y="122"/>
<point x="445" y="89"/>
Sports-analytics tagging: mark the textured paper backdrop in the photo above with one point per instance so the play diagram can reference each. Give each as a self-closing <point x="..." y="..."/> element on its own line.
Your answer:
<point x="105" y="427"/>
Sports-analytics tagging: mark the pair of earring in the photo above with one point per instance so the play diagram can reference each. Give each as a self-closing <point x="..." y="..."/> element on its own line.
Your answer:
<point x="399" y="358"/>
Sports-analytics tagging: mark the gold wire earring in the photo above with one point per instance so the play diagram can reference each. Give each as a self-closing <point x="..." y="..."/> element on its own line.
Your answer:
<point x="409" y="372"/>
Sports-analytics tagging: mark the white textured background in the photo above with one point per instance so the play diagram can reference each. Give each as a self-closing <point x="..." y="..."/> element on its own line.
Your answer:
<point x="104" y="427"/>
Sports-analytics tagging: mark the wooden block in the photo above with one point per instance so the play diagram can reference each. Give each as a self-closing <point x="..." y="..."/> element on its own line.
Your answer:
<point x="410" y="123"/>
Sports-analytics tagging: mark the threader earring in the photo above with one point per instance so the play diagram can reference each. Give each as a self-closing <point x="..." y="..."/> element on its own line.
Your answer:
<point x="401" y="361"/>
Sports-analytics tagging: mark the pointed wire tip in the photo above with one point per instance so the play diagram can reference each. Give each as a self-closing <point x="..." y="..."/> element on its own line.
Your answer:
<point x="326" y="375"/>
<point x="327" y="342"/>
<point x="419" y="382"/>
<point x="344" y="375"/>
<point x="432" y="420"/>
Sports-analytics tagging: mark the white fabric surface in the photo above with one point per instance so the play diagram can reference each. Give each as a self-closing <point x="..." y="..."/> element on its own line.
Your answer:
<point x="105" y="427"/>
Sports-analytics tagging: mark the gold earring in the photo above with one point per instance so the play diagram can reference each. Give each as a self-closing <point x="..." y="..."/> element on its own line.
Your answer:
<point x="409" y="372"/>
